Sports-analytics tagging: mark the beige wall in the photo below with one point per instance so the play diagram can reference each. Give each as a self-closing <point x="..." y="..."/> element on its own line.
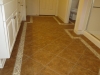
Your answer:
<point x="63" y="8"/>
<point x="74" y="4"/>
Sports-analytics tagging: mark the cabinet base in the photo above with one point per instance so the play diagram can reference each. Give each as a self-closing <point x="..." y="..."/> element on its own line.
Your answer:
<point x="2" y="62"/>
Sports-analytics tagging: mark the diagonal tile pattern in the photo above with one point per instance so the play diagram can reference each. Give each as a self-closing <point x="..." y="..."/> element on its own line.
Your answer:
<point x="49" y="50"/>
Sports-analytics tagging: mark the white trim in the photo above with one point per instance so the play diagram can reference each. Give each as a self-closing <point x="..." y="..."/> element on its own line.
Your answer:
<point x="78" y="32"/>
<point x="82" y="18"/>
<point x="2" y="62"/>
<point x="92" y="38"/>
<point x="61" y="23"/>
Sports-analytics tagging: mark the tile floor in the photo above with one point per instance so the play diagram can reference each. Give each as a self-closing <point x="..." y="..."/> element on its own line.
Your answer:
<point x="49" y="50"/>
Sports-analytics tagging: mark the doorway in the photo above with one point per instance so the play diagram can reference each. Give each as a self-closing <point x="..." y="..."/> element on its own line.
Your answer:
<point x="73" y="11"/>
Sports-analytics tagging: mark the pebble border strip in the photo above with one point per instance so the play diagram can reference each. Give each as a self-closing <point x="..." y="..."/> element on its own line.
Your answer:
<point x="18" y="63"/>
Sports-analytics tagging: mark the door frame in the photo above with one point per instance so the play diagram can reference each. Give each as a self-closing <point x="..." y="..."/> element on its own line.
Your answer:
<point x="82" y="16"/>
<point x="69" y="3"/>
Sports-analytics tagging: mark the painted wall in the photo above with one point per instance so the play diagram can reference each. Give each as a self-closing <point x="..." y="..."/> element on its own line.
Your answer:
<point x="63" y="10"/>
<point x="74" y="4"/>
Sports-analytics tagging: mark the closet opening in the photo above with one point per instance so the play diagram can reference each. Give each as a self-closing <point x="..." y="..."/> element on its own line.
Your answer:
<point x="73" y="11"/>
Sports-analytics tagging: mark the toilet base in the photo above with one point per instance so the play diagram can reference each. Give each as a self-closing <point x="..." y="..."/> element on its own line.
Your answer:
<point x="73" y="16"/>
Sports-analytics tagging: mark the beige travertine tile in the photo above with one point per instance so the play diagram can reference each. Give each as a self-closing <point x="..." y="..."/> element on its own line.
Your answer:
<point x="70" y="56"/>
<point x="89" y="54"/>
<point x="47" y="71"/>
<point x="78" y="70"/>
<point x="54" y="48"/>
<point x="30" y="67"/>
<point x="77" y="46"/>
<point x="61" y="66"/>
<point x="43" y="57"/>
<point x="44" y="40"/>
<point x="90" y="64"/>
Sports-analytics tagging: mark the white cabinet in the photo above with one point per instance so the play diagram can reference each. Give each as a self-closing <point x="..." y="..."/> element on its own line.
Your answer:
<point x="11" y="15"/>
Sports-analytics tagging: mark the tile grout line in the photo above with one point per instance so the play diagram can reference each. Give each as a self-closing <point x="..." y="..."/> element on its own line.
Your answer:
<point x="18" y="63"/>
<point x="85" y="43"/>
<point x="76" y="64"/>
<point x="53" y="59"/>
<point x="47" y="45"/>
<point x="68" y="33"/>
<point x="50" y="61"/>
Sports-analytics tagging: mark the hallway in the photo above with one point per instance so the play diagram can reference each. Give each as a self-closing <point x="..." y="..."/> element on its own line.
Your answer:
<point x="50" y="50"/>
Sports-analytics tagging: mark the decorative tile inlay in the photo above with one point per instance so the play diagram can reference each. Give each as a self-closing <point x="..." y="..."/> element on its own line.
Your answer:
<point x="18" y="63"/>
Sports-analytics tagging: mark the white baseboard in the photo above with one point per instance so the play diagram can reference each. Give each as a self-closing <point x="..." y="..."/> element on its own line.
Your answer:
<point x="78" y="32"/>
<point x="92" y="38"/>
<point x="2" y="62"/>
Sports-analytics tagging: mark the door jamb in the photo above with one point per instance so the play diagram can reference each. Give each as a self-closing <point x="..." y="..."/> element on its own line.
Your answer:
<point x="82" y="16"/>
<point x="69" y="3"/>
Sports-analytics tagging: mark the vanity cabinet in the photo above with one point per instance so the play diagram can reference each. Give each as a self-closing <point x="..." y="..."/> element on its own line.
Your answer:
<point x="10" y="21"/>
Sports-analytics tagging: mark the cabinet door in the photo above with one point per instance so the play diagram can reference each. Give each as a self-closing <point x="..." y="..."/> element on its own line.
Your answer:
<point x="15" y="25"/>
<point x="8" y="9"/>
<point x="10" y="35"/>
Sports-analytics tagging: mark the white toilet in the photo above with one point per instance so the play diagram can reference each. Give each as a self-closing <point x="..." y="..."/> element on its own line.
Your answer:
<point x="73" y="13"/>
<point x="74" y="8"/>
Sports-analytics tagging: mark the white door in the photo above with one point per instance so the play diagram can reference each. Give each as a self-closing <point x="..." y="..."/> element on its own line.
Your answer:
<point x="32" y="7"/>
<point x="48" y="7"/>
<point x="94" y="20"/>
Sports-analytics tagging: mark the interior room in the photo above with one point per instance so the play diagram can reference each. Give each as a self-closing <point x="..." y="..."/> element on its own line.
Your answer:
<point x="74" y="10"/>
<point x="49" y="37"/>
